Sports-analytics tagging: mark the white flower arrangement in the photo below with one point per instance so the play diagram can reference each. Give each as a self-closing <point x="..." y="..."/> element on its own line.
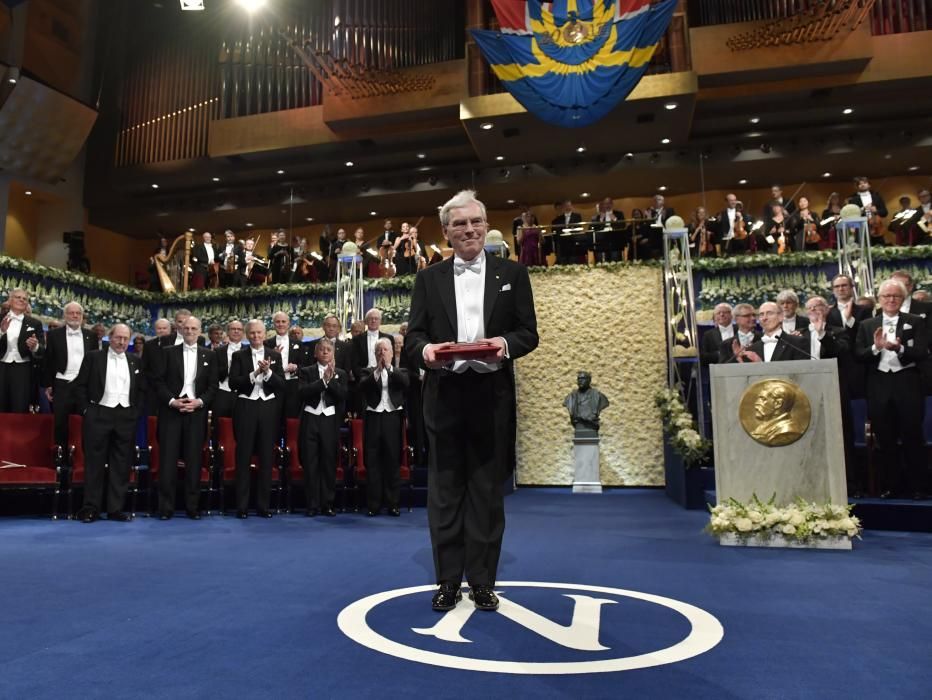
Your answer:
<point x="800" y="522"/>
<point x="680" y="427"/>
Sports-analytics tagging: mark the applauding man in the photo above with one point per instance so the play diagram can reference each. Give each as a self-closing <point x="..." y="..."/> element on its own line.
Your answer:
<point x="383" y="388"/>
<point x="322" y="390"/>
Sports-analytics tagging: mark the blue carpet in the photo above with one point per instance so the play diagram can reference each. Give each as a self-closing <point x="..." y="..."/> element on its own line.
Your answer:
<point x="247" y="609"/>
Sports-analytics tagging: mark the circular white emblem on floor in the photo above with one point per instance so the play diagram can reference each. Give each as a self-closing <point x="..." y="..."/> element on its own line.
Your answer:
<point x="597" y="639"/>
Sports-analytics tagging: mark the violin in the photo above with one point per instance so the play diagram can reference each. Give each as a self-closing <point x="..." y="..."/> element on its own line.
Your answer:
<point x="740" y="231"/>
<point x="811" y="230"/>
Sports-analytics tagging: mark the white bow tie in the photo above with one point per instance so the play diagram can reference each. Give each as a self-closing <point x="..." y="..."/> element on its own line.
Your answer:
<point x="190" y="348"/>
<point x="767" y="339"/>
<point x="474" y="265"/>
<point x="71" y="333"/>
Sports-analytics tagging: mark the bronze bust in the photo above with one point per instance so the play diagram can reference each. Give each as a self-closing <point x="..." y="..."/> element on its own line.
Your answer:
<point x="584" y="404"/>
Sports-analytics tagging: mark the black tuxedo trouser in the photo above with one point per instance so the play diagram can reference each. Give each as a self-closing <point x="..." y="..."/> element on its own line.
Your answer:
<point x="896" y="408"/>
<point x="222" y="406"/>
<point x="415" y="412"/>
<point x="257" y="427"/>
<point x="109" y="435"/>
<point x="63" y="405"/>
<point x="16" y="390"/>
<point x="181" y="436"/>
<point x="735" y="246"/>
<point x="320" y="440"/>
<point x="291" y="404"/>
<point x="468" y="422"/>
<point x="383" y="458"/>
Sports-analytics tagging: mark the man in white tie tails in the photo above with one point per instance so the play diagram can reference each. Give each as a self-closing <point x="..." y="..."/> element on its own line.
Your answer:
<point x="774" y="345"/>
<point x="65" y="349"/>
<point x="20" y="343"/>
<point x="469" y="406"/>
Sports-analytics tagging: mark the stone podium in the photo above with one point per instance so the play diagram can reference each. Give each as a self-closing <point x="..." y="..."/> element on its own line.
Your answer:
<point x="777" y="429"/>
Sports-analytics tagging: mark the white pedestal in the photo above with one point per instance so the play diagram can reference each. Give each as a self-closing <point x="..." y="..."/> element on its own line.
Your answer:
<point x="586" y="461"/>
<point x="729" y="540"/>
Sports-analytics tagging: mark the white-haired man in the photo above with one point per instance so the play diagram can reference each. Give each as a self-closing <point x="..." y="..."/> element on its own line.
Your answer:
<point x="892" y="345"/>
<point x="65" y="349"/>
<point x="792" y="321"/>
<point x="469" y="405"/>
<point x="364" y="351"/>
<point x="225" y="398"/>
<point x="109" y="389"/>
<point x="21" y="344"/>
<point x="724" y="330"/>
<point x="293" y="357"/>
<point x="774" y="345"/>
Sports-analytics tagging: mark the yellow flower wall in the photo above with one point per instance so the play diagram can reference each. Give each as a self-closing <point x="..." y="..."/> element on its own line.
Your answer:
<point x="609" y="323"/>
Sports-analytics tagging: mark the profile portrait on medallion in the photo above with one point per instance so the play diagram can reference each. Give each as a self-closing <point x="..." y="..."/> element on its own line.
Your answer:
<point x="775" y="412"/>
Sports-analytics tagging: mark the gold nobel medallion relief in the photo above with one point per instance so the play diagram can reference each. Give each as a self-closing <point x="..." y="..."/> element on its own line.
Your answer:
<point x="775" y="412"/>
<point x="576" y="32"/>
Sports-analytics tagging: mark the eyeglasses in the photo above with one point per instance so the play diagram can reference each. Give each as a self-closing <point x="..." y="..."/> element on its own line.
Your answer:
<point x="461" y="224"/>
<point x="744" y="315"/>
<point x="842" y="285"/>
<point x="891" y="296"/>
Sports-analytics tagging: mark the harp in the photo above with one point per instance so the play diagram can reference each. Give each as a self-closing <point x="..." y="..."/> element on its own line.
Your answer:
<point x="173" y="266"/>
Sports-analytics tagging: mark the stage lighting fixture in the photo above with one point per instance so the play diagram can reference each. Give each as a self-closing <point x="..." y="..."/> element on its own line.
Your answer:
<point x="192" y="4"/>
<point x="12" y="75"/>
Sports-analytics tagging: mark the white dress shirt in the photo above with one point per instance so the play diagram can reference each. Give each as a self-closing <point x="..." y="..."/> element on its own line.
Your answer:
<point x="727" y="332"/>
<point x="866" y="199"/>
<point x="179" y="339"/>
<point x="231" y="348"/>
<point x="257" y="382"/>
<point x="321" y="409"/>
<point x="385" y="405"/>
<point x="789" y="324"/>
<point x="847" y="321"/>
<point x="731" y="224"/>
<point x="74" y="340"/>
<point x="189" y="354"/>
<point x="116" y="384"/>
<point x="889" y="360"/>
<point x="12" y="340"/>
<point x="372" y="337"/>
<point x="470" y="320"/>
<point x="209" y="247"/>
<point x="283" y="342"/>
<point x="815" y="342"/>
<point x="770" y="345"/>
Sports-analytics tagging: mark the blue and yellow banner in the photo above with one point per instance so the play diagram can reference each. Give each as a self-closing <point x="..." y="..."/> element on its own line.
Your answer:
<point x="571" y="62"/>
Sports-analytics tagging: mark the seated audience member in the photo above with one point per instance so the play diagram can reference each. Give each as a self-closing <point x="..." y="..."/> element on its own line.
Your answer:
<point x="383" y="387"/>
<point x="892" y="345"/>
<point x="21" y="346"/>
<point x="712" y="339"/>
<point x="66" y="347"/>
<point x="322" y="392"/>
<point x="745" y="333"/>
<point x="774" y="345"/>
<point x="792" y="322"/>
<point x="108" y="389"/>
<point x="258" y="379"/>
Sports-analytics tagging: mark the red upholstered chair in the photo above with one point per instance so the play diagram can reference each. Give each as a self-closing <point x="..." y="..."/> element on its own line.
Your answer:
<point x="226" y="463"/>
<point x="29" y="458"/>
<point x="295" y="473"/>
<point x="357" y="438"/>
<point x="75" y="459"/>
<point x="152" y="430"/>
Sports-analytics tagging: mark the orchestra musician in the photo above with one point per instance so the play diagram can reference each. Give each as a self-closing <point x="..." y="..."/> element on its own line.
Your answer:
<point x="804" y="227"/>
<point x="203" y="259"/>
<point x="231" y="262"/>
<point x="409" y="253"/>
<point x="873" y="206"/>
<point x="254" y="270"/>
<point x="774" y="236"/>
<point x="700" y="233"/>
<point x="336" y="245"/>
<point x="828" y="221"/>
<point x="658" y="213"/>
<point x="776" y="195"/>
<point x="279" y="257"/>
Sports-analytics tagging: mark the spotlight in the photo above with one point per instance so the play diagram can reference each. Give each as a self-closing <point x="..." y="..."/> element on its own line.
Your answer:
<point x="629" y="156"/>
<point x="584" y="195"/>
<point x="662" y="188"/>
<point x="664" y="141"/>
<point x="754" y="120"/>
<point x="422" y="156"/>
<point x="13" y="75"/>
<point x="154" y="186"/>
<point x="309" y="218"/>
<point x="251" y="5"/>
<point x="373" y="213"/>
<point x="826" y="174"/>
<point x="29" y="192"/>
<point x="499" y="158"/>
<point x="192" y="4"/>
<point x="215" y="179"/>
<point x="350" y="164"/>
<point x="742" y="181"/>
<point x="486" y="126"/>
<point x="912" y="169"/>
<point x="670" y="105"/>
<point x="279" y="172"/>
<point x="847" y="110"/>
<point x="248" y="224"/>
<point x="509" y="201"/>
<point x="580" y="149"/>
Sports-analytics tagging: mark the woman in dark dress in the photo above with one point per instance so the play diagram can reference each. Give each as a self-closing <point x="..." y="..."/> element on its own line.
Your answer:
<point x="528" y="238"/>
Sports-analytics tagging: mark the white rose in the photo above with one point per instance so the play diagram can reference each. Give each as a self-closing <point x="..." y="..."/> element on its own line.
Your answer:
<point x="796" y="518"/>
<point x="846" y="524"/>
<point x="788" y="529"/>
<point x="755" y="516"/>
<point x="743" y="524"/>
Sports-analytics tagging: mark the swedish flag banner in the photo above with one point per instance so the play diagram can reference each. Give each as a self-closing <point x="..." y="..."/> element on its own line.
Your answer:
<point x="570" y="62"/>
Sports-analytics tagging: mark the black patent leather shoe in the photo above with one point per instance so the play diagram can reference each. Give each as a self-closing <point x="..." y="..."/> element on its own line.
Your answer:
<point x="264" y="514"/>
<point x="311" y="513"/>
<point x="484" y="597"/>
<point x="193" y="514"/>
<point x="394" y="512"/>
<point x="119" y="516"/>
<point x="165" y="516"/>
<point x="87" y="515"/>
<point x="242" y="514"/>
<point x="446" y="597"/>
<point x="329" y="512"/>
<point x="372" y="513"/>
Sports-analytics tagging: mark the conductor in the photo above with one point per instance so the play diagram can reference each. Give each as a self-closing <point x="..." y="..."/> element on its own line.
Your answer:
<point x="469" y="405"/>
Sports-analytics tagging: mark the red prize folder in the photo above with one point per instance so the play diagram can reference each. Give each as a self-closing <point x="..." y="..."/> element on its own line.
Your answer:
<point x="468" y="351"/>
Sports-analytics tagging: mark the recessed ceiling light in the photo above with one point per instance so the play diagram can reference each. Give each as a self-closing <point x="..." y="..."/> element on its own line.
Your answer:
<point x="671" y="105"/>
<point x="422" y="156"/>
<point x="664" y="141"/>
<point x="742" y="181"/>
<point x="373" y="213"/>
<point x="279" y="172"/>
<point x="754" y="134"/>
<point x="580" y="149"/>
<point x="191" y="230"/>
<point x="485" y="126"/>
<point x="912" y="169"/>
<point x="510" y="201"/>
<point x="584" y="195"/>
<point x="499" y="157"/>
<point x="629" y="156"/>
<point x="826" y="174"/>
<point x="350" y="164"/>
<point x="309" y="218"/>
<point x="847" y="110"/>
<point x="249" y="224"/>
<point x="215" y="179"/>
<point x="754" y="120"/>
<point x="154" y="186"/>
<point x="662" y="188"/>
<point x="29" y="192"/>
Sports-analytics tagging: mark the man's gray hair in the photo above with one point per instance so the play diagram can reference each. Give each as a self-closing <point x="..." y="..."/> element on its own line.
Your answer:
<point x="326" y="340"/>
<point x="893" y="282"/>
<point x="723" y="305"/>
<point x="744" y="308"/>
<point x="72" y="303"/>
<point x="372" y="312"/>
<point x="461" y="199"/>
<point x="255" y="321"/>
<point x="787" y="295"/>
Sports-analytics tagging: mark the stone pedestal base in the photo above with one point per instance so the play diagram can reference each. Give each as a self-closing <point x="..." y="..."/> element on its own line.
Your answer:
<point x="729" y="540"/>
<point x="586" y="461"/>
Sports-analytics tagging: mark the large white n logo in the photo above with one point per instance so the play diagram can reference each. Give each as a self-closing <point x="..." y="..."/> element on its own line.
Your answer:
<point x="582" y="633"/>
